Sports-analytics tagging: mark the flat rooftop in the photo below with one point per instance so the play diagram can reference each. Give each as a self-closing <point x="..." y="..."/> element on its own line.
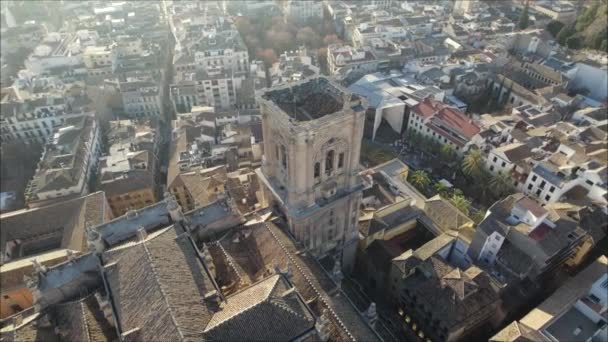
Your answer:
<point x="572" y="326"/>
<point x="309" y="100"/>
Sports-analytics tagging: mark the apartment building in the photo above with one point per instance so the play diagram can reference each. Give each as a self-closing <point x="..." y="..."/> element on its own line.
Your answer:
<point x="67" y="164"/>
<point x="128" y="173"/>
<point x="304" y="9"/>
<point x="444" y="124"/>
<point x="209" y="70"/>
<point x="142" y="96"/>
<point x="341" y="58"/>
<point x="521" y="239"/>
<point x="576" y="311"/>
<point x="31" y="113"/>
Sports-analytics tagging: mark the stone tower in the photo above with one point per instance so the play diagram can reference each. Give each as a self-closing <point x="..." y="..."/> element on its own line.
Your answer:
<point x="312" y="141"/>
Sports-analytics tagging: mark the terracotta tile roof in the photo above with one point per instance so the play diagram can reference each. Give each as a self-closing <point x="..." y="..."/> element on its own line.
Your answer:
<point x="68" y="219"/>
<point x="31" y="331"/>
<point x="458" y="121"/>
<point x="268" y="310"/>
<point x="266" y="246"/>
<point x="159" y="285"/>
<point x="427" y="107"/>
<point x="82" y="320"/>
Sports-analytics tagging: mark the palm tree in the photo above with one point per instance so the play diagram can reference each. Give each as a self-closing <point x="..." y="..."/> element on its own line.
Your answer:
<point x="447" y="153"/>
<point x="420" y="179"/>
<point x="501" y="184"/>
<point x="440" y="189"/>
<point x="472" y="164"/>
<point x="461" y="203"/>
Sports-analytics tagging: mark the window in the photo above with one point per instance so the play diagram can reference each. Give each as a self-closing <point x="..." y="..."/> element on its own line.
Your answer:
<point x="594" y="298"/>
<point x="538" y="192"/>
<point x="503" y="164"/>
<point x="534" y="178"/>
<point x="529" y="186"/>
<point x="542" y="184"/>
<point x="341" y="160"/>
<point x="589" y="182"/>
<point x="495" y="159"/>
<point x="329" y="162"/>
<point x="317" y="169"/>
<point x="491" y="167"/>
<point x="283" y="157"/>
<point x="547" y="198"/>
<point x="551" y="189"/>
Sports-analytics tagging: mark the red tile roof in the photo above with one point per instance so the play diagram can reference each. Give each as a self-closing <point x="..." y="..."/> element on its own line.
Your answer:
<point x="427" y="107"/>
<point x="458" y="121"/>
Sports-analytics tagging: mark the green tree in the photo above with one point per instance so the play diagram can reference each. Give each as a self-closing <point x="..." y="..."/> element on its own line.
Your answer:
<point x="604" y="46"/>
<point x="574" y="43"/>
<point x="501" y="184"/>
<point x="440" y="189"/>
<point x="447" y="153"/>
<point x="462" y="203"/>
<point x="587" y="17"/>
<point x="566" y="32"/>
<point x="420" y="179"/>
<point x="473" y="163"/>
<point x="524" y="18"/>
<point x="554" y="27"/>
<point x="479" y="215"/>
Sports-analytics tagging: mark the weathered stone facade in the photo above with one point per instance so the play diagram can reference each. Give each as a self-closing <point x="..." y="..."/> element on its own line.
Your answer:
<point x="311" y="162"/>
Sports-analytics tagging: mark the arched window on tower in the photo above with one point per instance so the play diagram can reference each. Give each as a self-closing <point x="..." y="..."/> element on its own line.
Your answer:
<point x="329" y="162"/>
<point x="317" y="169"/>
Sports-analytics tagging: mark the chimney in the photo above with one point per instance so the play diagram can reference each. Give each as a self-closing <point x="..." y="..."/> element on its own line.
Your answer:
<point x="208" y="259"/>
<point x="94" y="240"/>
<point x="322" y="326"/>
<point x="371" y="315"/>
<point x="175" y="211"/>
<point x="336" y="273"/>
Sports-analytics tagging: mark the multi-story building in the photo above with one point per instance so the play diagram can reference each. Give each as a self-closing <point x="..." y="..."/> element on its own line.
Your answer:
<point x="505" y="159"/>
<point x="199" y="188"/>
<point x="57" y="50"/>
<point x="67" y="163"/>
<point x="199" y="88"/>
<point x="574" y="312"/>
<point x="520" y="239"/>
<point x="567" y="171"/>
<point x="444" y="124"/>
<point x="439" y="301"/>
<point x="302" y="10"/>
<point x="128" y="172"/>
<point x="312" y="137"/>
<point x="142" y="97"/>
<point x="209" y="71"/>
<point x="31" y="116"/>
<point x="342" y="58"/>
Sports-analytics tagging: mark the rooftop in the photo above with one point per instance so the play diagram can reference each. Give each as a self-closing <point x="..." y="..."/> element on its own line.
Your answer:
<point x="308" y="100"/>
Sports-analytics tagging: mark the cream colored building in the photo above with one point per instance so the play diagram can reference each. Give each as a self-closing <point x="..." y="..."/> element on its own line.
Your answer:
<point x="312" y="141"/>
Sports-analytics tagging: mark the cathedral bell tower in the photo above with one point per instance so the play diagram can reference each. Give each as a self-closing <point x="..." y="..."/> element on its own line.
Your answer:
<point x="310" y="169"/>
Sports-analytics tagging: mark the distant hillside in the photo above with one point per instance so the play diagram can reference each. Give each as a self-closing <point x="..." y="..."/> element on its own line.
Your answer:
<point x="588" y="31"/>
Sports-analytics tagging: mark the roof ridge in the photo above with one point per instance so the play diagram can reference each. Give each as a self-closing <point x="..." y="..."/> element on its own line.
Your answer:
<point x="85" y="323"/>
<point x="228" y="319"/>
<point x="310" y="283"/>
<point x="280" y="303"/>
